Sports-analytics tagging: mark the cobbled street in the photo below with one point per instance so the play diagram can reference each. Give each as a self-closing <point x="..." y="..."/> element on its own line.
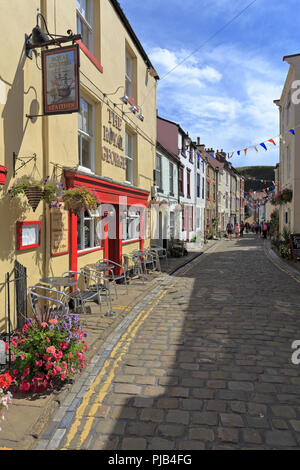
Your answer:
<point x="206" y="365"/>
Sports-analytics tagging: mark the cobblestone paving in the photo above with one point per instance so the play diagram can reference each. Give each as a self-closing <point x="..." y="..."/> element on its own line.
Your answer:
<point x="207" y="366"/>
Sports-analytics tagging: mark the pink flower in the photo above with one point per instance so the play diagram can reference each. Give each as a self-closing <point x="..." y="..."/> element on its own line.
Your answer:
<point x="22" y="355"/>
<point x="25" y="386"/>
<point x="53" y="321"/>
<point x="51" y="350"/>
<point x="44" y="324"/>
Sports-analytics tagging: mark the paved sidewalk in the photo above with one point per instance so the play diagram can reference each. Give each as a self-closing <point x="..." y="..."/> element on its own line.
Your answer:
<point x="204" y="363"/>
<point x="28" y="417"/>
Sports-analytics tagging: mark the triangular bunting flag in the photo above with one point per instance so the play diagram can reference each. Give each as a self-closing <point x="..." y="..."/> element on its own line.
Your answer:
<point x="292" y="131"/>
<point x="245" y="150"/>
<point x="264" y="146"/>
<point x="255" y="148"/>
<point x="272" y="141"/>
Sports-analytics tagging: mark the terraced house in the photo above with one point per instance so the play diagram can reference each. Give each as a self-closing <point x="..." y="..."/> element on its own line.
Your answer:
<point x="86" y="119"/>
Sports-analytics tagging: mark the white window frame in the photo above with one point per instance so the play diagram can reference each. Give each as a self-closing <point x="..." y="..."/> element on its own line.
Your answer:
<point x="87" y="21"/>
<point x="128" y="75"/>
<point x="82" y="218"/>
<point x="90" y="137"/>
<point x="130" y="218"/>
<point x="129" y="158"/>
<point x="171" y="178"/>
<point x="158" y="171"/>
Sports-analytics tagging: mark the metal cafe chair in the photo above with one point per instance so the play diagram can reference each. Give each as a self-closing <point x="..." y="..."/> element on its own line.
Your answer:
<point x="98" y="283"/>
<point x="44" y="300"/>
<point x="116" y="277"/>
<point x="81" y="296"/>
<point x="156" y="260"/>
<point x="162" y="252"/>
<point x="146" y="260"/>
<point x="134" y="268"/>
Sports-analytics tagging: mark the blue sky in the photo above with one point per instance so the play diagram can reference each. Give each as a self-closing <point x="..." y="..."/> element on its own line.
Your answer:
<point x="224" y="92"/>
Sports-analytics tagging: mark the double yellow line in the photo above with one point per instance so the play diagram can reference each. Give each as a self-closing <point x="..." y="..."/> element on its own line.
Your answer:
<point x="110" y="366"/>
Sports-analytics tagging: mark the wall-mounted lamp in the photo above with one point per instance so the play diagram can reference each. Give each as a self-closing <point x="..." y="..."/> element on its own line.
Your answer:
<point x="133" y="109"/>
<point x="125" y="99"/>
<point x="37" y="38"/>
<point x="141" y="117"/>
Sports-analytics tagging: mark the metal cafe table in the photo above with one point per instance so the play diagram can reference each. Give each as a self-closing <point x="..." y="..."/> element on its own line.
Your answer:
<point x="60" y="281"/>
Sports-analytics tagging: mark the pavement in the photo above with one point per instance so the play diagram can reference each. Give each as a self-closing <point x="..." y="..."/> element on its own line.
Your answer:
<point x="29" y="415"/>
<point x="199" y="357"/>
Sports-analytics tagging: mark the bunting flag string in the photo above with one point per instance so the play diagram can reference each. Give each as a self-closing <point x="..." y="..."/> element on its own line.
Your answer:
<point x="262" y="144"/>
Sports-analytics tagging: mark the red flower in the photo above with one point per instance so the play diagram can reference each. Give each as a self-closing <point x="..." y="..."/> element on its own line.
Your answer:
<point x="5" y="380"/>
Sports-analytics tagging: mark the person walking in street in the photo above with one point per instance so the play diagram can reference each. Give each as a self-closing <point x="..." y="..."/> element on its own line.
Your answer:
<point x="269" y="226"/>
<point x="229" y="229"/>
<point x="264" y="228"/>
<point x="247" y="225"/>
<point x="256" y="228"/>
<point x="242" y="227"/>
<point x="237" y="230"/>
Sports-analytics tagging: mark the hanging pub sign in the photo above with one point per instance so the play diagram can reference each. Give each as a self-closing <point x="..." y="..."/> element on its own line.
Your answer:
<point x="60" y="69"/>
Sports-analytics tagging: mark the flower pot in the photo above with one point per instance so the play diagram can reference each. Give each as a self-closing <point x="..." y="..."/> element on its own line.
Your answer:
<point x="3" y="173"/>
<point x="34" y="195"/>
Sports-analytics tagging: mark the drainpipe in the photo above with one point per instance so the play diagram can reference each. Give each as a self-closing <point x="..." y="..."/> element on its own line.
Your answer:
<point x="46" y="210"/>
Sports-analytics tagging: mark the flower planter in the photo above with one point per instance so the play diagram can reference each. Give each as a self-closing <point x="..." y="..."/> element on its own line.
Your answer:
<point x="3" y="173"/>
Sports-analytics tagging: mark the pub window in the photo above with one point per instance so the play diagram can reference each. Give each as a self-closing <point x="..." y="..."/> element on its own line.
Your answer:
<point x="86" y="135"/>
<point x="131" y="226"/>
<point x="129" y="154"/>
<point x="84" y="14"/>
<point x="129" y="75"/>
<point x="87" y="237"/>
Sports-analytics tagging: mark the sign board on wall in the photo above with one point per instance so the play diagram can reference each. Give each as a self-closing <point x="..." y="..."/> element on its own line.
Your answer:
<point x="59" y="238"/>
<point x="60" y="68"/>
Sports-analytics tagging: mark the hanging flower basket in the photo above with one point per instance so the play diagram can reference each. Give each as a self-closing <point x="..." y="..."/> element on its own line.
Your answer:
<point x="50" y="191"/>
<point x="78" y="199"/>
<point x="3" y="173"/>
<point x="286" y="195"/>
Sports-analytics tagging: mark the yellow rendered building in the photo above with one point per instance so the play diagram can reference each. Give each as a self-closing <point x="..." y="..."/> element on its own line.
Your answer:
<point x="107" y="146"/>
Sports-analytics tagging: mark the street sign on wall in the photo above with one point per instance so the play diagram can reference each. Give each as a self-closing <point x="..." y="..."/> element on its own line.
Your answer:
<point x="60" y="69"/>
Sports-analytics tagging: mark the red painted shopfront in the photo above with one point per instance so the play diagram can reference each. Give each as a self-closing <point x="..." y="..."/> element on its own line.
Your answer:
<point x="107" y="192"/>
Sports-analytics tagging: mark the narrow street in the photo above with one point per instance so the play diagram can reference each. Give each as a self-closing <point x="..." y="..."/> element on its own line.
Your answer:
<point x="206" y="365"/>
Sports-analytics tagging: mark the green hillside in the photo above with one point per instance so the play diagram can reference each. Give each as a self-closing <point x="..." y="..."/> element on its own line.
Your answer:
<point x="259" y="173"/>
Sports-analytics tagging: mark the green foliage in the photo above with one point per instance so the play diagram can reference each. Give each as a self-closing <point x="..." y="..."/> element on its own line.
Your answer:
<point x="77" y="199"/>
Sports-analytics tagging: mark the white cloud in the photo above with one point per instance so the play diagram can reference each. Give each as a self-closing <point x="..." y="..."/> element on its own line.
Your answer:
<point x="224" y="96"/>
